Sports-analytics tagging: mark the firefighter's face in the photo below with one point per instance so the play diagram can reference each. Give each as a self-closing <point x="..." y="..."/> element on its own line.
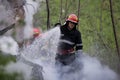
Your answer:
<point x="71" y="25"/>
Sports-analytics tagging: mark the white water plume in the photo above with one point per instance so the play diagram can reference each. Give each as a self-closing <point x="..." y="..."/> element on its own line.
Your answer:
<point x="30" y="9"/>
<point x="44" y="47"/>
<point x="8" y="45"/>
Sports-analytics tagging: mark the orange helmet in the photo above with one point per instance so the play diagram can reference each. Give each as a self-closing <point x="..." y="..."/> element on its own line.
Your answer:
<point x="36" y="32"/>
<point x="72" y="18"/>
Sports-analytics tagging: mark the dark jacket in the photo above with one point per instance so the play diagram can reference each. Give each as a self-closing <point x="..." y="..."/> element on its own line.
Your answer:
<point x="69" y="39"/>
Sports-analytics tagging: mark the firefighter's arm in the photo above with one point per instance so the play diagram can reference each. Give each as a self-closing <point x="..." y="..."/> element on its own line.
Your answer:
<point x="79" y="45"/>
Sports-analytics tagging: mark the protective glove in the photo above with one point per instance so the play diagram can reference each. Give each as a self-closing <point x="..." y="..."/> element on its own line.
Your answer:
<point x="79" y="53"/>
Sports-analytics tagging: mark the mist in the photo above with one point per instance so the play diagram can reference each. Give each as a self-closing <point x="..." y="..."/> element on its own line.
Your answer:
<point x="19" y="67"/>
<point x="42" y="53"/>
<point x="94" y="70"/>
<point x="30" y="9"/>
<point x="8" y="45"/>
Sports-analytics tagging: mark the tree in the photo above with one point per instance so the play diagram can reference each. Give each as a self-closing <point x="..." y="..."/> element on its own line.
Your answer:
<point x="48" y="14"/>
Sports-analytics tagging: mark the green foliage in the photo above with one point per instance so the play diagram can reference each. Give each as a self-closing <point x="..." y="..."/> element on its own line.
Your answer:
<point x="4" y="59"/>
<point x="7" y="76"/>
<point x="40" y="18"/>
<point x="95" y="20"/>
<point x="21" y="22"/>
<point x="97" y="31"/>
<point x="2" y="22"/>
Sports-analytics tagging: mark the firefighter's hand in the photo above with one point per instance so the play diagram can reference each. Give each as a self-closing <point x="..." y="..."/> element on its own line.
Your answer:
<point x="79" y="53"/>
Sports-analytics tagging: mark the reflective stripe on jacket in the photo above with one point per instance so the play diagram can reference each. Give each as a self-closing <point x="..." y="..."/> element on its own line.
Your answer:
<point x="69" y="39"/>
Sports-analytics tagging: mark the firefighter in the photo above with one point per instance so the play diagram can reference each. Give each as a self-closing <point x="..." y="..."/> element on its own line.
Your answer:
<point x="36" y="72"/>
<point x="70" y="43"/>
<point x="36" y="34"/>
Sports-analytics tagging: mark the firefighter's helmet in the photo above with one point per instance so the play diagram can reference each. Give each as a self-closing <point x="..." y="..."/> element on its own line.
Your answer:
<point x="72" y="18"/>
<point x="36" y="32"/>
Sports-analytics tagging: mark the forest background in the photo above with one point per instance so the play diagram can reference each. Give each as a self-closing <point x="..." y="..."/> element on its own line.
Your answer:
<point x="99" y="35"/>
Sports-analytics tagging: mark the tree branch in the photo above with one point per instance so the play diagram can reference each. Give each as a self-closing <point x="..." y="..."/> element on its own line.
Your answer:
<point x="7" y="28"/>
